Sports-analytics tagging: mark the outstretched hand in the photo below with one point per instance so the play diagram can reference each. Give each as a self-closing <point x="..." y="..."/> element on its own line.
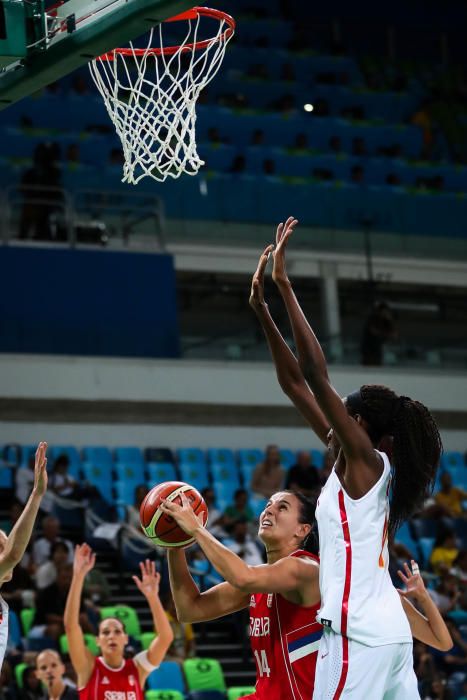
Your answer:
<point x="183" y="515"/>
<point x="150" y="579"/>
<point x="40" y="469"/>
<point x="414" y="585"/>
<point x="84" y="559"/>
<point x="257" y="283"/>
<point x="283" y="233"/>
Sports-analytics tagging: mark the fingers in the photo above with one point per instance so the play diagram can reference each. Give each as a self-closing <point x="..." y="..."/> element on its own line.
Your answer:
<point x="404" y="578"/>
<point x="407" y="570"/>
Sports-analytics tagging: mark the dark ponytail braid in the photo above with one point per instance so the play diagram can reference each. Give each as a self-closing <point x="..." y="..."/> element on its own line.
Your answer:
<point x="416" y="446"/>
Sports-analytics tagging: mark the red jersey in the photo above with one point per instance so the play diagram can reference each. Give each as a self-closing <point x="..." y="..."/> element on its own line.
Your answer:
<point x="284" y="639"/>
<point x="113" y="683"/>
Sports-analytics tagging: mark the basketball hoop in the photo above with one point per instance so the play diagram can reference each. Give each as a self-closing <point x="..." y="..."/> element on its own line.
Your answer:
<point x="151" y="94"/>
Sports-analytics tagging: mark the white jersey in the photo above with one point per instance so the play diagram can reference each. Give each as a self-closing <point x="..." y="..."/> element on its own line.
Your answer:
<point x="3" y="629"/>
<point x="358" y="599"/>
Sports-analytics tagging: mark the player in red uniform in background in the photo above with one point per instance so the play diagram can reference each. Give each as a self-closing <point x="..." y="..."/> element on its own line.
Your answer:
<point x="111" y="676"/>
<point x="283" y="595"/>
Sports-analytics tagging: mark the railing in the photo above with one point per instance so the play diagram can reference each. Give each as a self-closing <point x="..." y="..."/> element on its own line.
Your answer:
<point x="45" y="213"/>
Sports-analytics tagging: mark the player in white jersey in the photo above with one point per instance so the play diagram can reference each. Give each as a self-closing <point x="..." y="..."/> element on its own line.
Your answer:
<point x="367" y="645"/>
<point x="13" y="546"/>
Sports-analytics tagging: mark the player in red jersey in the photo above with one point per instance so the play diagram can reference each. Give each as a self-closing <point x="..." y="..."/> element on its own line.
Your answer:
<point x="111" y="676"/>
<point x="282" y="595"/>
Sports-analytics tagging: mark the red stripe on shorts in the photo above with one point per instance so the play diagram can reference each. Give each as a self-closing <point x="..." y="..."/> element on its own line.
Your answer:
<point x="345" y="597"/>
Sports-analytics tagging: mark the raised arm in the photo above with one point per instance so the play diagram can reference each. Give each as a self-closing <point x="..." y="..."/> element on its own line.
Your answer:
<point x="288" y="575"/>
<point x="18" y="539"/>
<point x="428" y="626"/>
<point x="81" y="658"/>
<point x="190" y="603"/>
<point x="289" y="374"/>
<point x="148" y="584"/>
<point x="359" y="452"/>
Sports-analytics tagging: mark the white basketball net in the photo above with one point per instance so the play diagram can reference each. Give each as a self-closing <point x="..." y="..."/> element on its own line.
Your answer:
<point x="151" y="99"/>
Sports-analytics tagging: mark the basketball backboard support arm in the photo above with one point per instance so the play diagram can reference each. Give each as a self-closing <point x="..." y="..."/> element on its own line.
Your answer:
<point x="78" y="31"/>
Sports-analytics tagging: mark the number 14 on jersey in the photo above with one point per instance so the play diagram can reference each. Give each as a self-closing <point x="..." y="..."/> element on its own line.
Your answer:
<point x="262" y="663"/>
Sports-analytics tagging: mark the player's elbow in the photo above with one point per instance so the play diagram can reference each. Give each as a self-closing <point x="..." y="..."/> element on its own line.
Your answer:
<point x="446" y="644"/>
<point x="244" y="579"/>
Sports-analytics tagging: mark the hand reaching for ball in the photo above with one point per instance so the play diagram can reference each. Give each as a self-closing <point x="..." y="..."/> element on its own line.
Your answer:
<point x="183" y="515"/>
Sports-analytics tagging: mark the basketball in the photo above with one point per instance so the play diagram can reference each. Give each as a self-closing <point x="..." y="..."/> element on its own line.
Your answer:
<point x="160" y="527"/>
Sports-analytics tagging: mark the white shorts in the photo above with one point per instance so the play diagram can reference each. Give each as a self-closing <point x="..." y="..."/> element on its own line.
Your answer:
<point x="380" y="673"/>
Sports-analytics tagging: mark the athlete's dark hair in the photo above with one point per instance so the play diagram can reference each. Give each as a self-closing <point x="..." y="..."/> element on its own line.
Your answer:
<point x="307" y="517"/>
<point x="416" y="445"/>
<point x="112" y="617"/>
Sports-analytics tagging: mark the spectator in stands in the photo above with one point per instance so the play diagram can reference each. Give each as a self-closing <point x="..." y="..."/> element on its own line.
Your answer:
<point x="444" y="552"/>
<point x="258" y="71"/>
<point x="244" y="545"/>
<point x="285" y="104"/>
<point x="6" y="682"/>
<point x="446" y="594"/>
<point x="380" y="326"/>
<point x="357" y="175"/>
<point x="303" y="475"/>
<point x="79" y="84"/>
<point x="269" y="167"/>
<point x="422" y="118"/>
<point x="257" y="138"/>
<point x="239" y="510"/>
<point x="449" y="498"/>
<point x="268" y="476"/>
<point x="50" y="534"/>
<point x="42" y="194"/>
<point x="46" y="574"/>
<point x="19" y="593"/>
<point x="424" y="662"/>
<point x="459" y="567"/>
<point x="116" y="157"/>
<point x="321" y="108"/>
<point x="32" y="688"/>
<point x="50" y="670"/>
<point x="455" y="659"/>
<point x="323" y="174"/>
<point x="96" y="590"/>
<point x="300" y="143"/>
<point x="216" y="517"/>
<point x="437" y="689"/>
<point x="61" y="482"/>
<point x="359" y="147"/>
<point x="132" y="511"/>
<point x="393" y="179"/>
<point x="72" y="154"/>
<point x="24" y="483"/>
<point x="183" y="645"/>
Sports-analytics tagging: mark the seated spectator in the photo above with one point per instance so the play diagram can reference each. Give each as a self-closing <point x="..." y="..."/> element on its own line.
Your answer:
<point x="446" y="594"/>
<point x="300" y="143"/>
<point x="50" y="534"/>
<point x="96" y="590"/>
<point x="132" y="512"/>
<point x="459" y="567"/>
<point x="46" y="573"/>
<point x="19" y="593"/>
<point x="321" y="108"/>
<point x="268" y="476"/>
<point x="60" y="482"/>
<point x="323" y="174"/>
<point x="303" y="476"/>
<point x="216" y="517"/>
<point x="424" y="662"/>
<point x="239" y="510"/>
<point x="335" y="144"/>
<point x="358" y="147"/>
<point x="72" y="155"/>
<point x="214" y="135"/>
<point x="116" y="157"/>
<point x="79" y="85"/>
<point x="50" y="670"/>
<point x="257" y="138"/>
<point x="244" y="545"/>
<point x="258" y="71"/>
<point x="449" y="498"/>
<point x="238" y="165"/>
<point x="32" y="687"/>
<point x="269" y="166"/>
<point x="393" y="180"/>
<point x="183" y="645"/>
<point x="444" y="552"/>
<point x="437" y="689"/>
<point x="6" y="682"/>
<point x="455" y="659"/>
<point x="357" y="175"/>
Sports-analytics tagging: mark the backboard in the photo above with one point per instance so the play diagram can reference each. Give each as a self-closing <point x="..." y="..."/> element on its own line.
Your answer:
<point x="40" y="45"/>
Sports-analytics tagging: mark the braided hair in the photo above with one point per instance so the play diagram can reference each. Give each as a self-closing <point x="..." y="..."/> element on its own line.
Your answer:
<point x="307" y="517"/>
<point x="416" y="445"/>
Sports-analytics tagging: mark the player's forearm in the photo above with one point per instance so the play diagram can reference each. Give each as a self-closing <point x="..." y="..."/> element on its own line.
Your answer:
<point x="160" y="620"/>
<point x="311" y="358"/>
<point x="435" y="621"/>
<point x="21" y="534"/>
<point x="227" y="564"/>
<point x="185" y="592"/>
<point x="73" y="601"/>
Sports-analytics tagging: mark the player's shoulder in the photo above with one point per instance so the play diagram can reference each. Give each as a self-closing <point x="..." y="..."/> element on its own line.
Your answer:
<point x="307" y="562"/>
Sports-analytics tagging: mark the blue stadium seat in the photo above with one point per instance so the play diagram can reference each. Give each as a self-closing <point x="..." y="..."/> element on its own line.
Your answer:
<point x="221" y="456"/>
<point x="224" y="491"/>
<point x="258" y="505"/>
<point x="98" y="455"/>
<point x="250" y="457"/>
<point x="404" y="536"/>
<point x="27" y="451"/>
<point x="459" y="476"/>
<point x="194" y="474"/>
<point x="425" y="545"/>
<point x="317" y="458"/>
<point x="452" y="459"/>
<point x="124" y="492"/>
<point x="129" y="455"/>
<point x="225" y="473"/>
<point x="100" y="477"/>
<point x="287" y="458"/>
<point x="73" y="455"/>
<point x="158" y="472"/>
<point x="167" y="677"/>
<point x="159" y="454"/>
<point x="14" y="630"/>
<point x="424" y="527"/>
<point x="10" y="455"/>
<point x="191" y="455"/>
<point x="132" y="473"/>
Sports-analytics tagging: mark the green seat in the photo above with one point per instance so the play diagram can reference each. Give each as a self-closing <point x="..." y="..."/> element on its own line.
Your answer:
<point x="235" y="693"/>
<point x="19" y="669"/>
<point x="204" y="674"/>
<point x="27" y="616"/>
<point x="164" y="695"/>
<point x="146" y="639"/>
<point x="127" y="615"/>
<point x="89" y="640"/>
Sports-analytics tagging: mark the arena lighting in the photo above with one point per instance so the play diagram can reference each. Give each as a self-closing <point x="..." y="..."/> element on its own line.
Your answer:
<point x="308" y="107"/>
